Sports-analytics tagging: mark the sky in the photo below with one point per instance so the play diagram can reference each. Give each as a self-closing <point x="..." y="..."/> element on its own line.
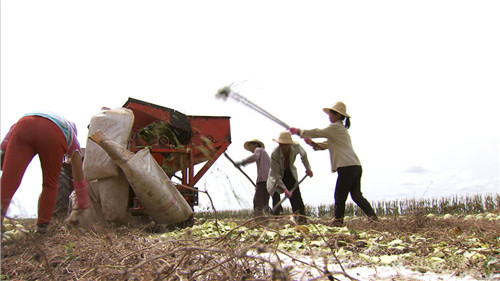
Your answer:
<point x="419" y="78"/>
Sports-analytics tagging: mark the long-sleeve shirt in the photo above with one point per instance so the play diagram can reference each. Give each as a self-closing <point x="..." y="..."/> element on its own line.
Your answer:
<point x="263" y="161"/>
<point x="338" y="142"/>
<point x="278" y="166"/>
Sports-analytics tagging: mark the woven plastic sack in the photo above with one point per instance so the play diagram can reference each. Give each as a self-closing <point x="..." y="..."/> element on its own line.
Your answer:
<point x="157" y="194"/>
<point x="113" y="196"/>
<point x="91" y="218"/>
<point x="117" y="124"/>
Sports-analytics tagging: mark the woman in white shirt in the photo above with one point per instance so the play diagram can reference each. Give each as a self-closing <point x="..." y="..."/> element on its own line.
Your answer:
<point x="343" y="159"/>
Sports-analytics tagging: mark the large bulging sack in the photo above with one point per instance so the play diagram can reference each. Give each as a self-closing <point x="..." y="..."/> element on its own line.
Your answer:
<point x="157" y="194"/>
<point x="113" y="195"/>
<point x="117" y="124"/>
<point x="90" y="218"/>
<point x="161" y="199"/>
<point x="108" y="204"/>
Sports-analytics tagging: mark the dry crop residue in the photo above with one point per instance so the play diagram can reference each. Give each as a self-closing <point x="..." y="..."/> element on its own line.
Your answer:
<point x="266" y="249"/>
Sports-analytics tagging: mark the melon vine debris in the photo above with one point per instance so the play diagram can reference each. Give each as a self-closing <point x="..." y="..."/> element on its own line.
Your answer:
<point x="266" y="248"/>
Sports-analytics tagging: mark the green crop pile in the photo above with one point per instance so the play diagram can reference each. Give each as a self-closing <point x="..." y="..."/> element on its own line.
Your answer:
<point x="154" y="132"/>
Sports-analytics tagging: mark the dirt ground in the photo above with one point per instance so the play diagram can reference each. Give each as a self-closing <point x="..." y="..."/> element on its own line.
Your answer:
<point x="258" y="249"/>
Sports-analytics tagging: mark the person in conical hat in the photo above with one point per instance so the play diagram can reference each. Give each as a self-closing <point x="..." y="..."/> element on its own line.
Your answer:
<point x="343" y="159"/>
<point x="259" y="156"/>
<point x="283" y="174"/>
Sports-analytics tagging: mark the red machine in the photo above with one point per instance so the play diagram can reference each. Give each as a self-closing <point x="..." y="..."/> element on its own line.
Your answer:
<point x="178" y="142"/>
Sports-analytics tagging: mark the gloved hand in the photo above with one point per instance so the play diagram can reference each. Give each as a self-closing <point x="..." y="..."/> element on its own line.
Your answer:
<point x="238" y="164"/>
<point x="82" y="194"/>
<point x="309" y="173"/>
<point x="309" y="141"/>
<point x="294" y="131"/>
<point x="288" y="193"/>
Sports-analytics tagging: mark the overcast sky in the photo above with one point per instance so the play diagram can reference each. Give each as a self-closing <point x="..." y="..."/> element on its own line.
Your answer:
<point x="419" y="78"/>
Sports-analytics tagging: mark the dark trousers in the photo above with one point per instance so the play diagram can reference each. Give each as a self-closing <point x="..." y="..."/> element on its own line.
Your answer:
<point x="296" y="199"/>
<point x="261" y="199"/>
<point x="349" y="181"/>
<point x="276" y="199"/>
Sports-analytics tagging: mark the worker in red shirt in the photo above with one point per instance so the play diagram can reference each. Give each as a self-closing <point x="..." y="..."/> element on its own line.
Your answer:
<point x="51" y="137"/>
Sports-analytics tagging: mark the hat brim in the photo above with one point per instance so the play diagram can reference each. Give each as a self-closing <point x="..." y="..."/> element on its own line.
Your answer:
<point x="327" y="111"/>
<point x="246" y="145"/>
<point x="285" y="142"/>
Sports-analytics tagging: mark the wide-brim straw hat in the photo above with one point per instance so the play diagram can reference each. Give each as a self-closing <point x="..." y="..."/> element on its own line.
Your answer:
<point x="338" y="107"/>
<point x="285" y="138"/>
<point x="246" y="145"/>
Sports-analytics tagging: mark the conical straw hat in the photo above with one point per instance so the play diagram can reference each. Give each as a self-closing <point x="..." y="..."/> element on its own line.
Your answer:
<point x="338" y="107"/>
<point x="285" y="138"/>
<point x="246" y="145"/>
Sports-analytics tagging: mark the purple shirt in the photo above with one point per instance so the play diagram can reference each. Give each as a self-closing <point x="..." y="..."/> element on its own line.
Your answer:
<point x="263" y="161"/>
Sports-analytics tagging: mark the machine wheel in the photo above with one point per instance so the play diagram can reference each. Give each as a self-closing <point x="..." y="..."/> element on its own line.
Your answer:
<point x="64" y="190"/>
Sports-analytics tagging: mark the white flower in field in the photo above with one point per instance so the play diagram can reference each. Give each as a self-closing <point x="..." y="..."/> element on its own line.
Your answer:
<point x="431" y="216"/>
<point x="447" y="216"/>
<point x="469" y="217"/>
<point x="479" y="217"/>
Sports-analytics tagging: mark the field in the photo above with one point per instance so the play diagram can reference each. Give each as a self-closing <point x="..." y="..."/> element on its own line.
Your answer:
<point x="438" y="239"/>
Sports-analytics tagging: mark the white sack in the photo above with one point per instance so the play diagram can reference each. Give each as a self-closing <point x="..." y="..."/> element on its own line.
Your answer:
<point x="161" y="199"/>
<point x="113" y="196"/>
<point x="90" y="218"/>
<point x="157" y="194"/>
<point x="117" y="124"/>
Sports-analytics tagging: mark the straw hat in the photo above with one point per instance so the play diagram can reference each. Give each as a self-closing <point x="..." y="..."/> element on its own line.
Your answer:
<point x="338" y="107"/>
<point x="285" y="138"/>
<point x="246" y="145"/>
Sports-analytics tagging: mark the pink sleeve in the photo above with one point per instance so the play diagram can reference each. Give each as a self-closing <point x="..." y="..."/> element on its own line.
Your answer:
<point x="75" y="145"/>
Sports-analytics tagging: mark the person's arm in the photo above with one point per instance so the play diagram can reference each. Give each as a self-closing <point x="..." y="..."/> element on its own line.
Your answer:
<point x="315" y="145"/>
<point x="252" y="158"/>
<point x="319" y="145"/>
<point x="77" y="166"/>
<point x="327" y="132"/>
<point x="313" y="133"/>
<point x="305" y="160"/>
<point x="79" y="182"/>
